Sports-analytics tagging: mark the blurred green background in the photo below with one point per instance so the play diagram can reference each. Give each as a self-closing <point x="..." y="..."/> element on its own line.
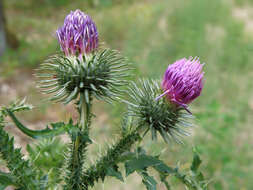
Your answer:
<point x="152" y="34"/>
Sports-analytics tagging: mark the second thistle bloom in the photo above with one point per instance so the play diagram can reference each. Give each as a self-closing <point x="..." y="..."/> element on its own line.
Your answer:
<point x="78" y="35"/>
<point x="183" y="81"/>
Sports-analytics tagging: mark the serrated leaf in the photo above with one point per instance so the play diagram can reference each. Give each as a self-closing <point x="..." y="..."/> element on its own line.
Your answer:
<point x="141" y="162"/>
<point x="148" y="181"/>
<point x="57" y="128"/>
<point x="44" y="182"/>
<point x="196" y="162"/>
<point x="18" y="106"/>
<point x="163" y="168"/>
<point x="6" y="179"/>
<point x="114" y="173"/>
<point x="86" y="138"/>
<point x="200" y="177"/>
<point x="164" y="181"/>
<point x="29" y="149"/>
<point x="140" y="150"/>
<point x="126" y="156"/>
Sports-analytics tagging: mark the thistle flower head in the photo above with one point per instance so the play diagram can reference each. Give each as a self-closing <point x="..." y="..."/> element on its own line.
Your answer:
<point x="102" y="75"/>
<point x="78" y="35"/>
<point x="157" y="116"/>
<point x="183" y="81"/>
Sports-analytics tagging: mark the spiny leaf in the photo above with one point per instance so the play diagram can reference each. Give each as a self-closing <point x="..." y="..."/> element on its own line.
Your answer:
<point x="22" y="170"/>
<point x="58" y="128"/>
<point x="196" y="162"/>
<point x="17" y="106"/>
<point x="141" y="162"/>
<point x="164" y="181"/>
<point x="148" y="181"/>
<point x="114" y="173"/>
<point x="7" y="179"/>
<point x="112" y="157"/>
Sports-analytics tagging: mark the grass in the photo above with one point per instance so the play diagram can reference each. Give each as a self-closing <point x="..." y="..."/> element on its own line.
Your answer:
<point x="153" y="34"/>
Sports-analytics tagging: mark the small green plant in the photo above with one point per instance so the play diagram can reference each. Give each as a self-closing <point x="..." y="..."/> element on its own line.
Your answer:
<point x="81" y="73"/>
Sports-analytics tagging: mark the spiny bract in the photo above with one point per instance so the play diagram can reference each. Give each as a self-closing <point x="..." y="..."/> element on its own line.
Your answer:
<point x="102" y="76"/>
<point x="157" y="115"/>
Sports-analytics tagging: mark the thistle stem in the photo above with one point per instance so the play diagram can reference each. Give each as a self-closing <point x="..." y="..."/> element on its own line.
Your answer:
<point x="82" y="114"/>
<point x="80" y="142"/>
<point x="98" y="170"/>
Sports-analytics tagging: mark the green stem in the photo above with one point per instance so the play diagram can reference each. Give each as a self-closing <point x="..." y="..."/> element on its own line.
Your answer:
<point x="81" y="141"/>
<point x="81" y="127"/>
<point x="82" y="114"/>
<point x="87" y="122"/>
<point x="98" y="170"/>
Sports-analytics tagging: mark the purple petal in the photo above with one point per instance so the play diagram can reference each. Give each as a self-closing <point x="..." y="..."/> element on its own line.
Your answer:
<point x="183" y="81"/>
<point x="78" y="35"/>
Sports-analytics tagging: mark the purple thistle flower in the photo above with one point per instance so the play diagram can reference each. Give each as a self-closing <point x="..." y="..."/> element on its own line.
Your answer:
<point x="183" y="81"/>
<point x="78" y="35"/>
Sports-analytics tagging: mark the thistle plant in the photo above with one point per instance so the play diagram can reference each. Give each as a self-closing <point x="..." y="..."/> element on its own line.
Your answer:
<point x="81" y="73"/>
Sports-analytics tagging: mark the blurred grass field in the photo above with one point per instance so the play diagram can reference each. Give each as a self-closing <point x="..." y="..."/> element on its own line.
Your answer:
<point x="153" y="34"/>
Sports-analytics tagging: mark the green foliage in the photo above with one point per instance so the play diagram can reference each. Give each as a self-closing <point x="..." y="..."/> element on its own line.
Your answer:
<point x="23" y="172"/>
<point x="57" y="128"/>
<point x="79" y="142"/>
<point x="6" y="179"/>
<point x="109" y="160"/>
<point x="194" y="179"/>
<point x="139" y="162"/>
<point x="195" y="163"/>
<point x="47" y="153"/>
<point x="148" y="181"/>
<point x="75" y="160"/>
<point x="113" y="171"/>
<point x="43" y="169"/>
<point x="47" y="156"/>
